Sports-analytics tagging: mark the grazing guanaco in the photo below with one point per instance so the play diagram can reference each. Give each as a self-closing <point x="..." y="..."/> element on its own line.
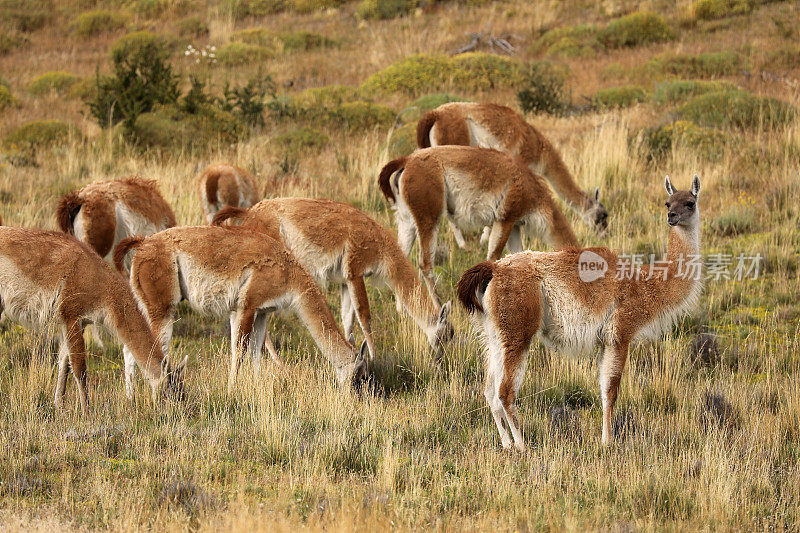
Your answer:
<point x="473" y="187"/>
<point x="574" y="301"/>
<point x="105" y="212"/>
<point x="226" y="186"/>
<point x="340" y="244"/>
<point x="233" y="272"/>
<point x="502" y="128"/>
<point x="51" y="279"/>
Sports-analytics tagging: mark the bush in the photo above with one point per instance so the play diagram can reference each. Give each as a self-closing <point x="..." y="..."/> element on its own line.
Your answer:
<point x="246" y="102"/>
<point x="635" y="30"/>
<point x="39" y="134"/>
<point x="659" y="140"/>
<point x="287" y="42"/>
<point x="241" y="53"/>
<point x="171" y="128"/>
<point x="679" y="90"/>
<point x="361" y="115"/>
<point x="26" y="15"/>
<point x="193" y="26"/>
<point x="569" y="41"/>
<point x="543" y="89"/>
<point x="142" y="79"/>
<point x="241" y="9"/>
<point x="298" y="140"/>
<point x="696" y="65"/>
<point x="55" y="81"/>
<point x="385" y="9"/>
<point x="7" y="99"/>
<point x="9" y="42"/>
<point x="96" y="22"/>
<point x="738" y="109"/>
<point x="480" y="71"/>
<point x="423" y="104"/>
<point x="403" y="140"/>
<point x="155" y="8"/>
<point x="717" y="9"/>
<point x="328" y="96"/>
<point x="616" y="97"/>
<point x="415" y="74"/>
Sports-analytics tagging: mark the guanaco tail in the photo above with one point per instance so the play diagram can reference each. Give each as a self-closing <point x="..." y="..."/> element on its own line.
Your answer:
<point x="500" y="127"/>
<point x="473" y="187"/>
<point x="574" y="301"/>
<point x="222" y="186"/>
<point x="51" y="279"/>
<point x="233" y="272"/>
<point x="340" y="244"/>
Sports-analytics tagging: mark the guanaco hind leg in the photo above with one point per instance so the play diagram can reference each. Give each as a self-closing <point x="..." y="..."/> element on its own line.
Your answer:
<point x="360" y="302"/>
<point x="614" y="358"/>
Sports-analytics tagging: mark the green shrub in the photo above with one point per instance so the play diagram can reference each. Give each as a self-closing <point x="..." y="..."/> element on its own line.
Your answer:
<point x="298" y="140"/>
<point x="707" y="65"/>
<point x="96" y="22"/>
<point x="361" y="115"/>
<point x="328" y="96"/>
<point x="171" y="128"/>
<point x="385" y="9"/>
<point x="423" y="104"/>
<point x="155" y="8"/>
<point x="737" y="220"/>
<point x="659" y="140"/>
<point x="309" y="6"/>
<point x="10" y="41"/>
<point x="543" y="88"/>
<point x="616" y="97"/>
<point x="635" y="30"/>
<point x="7" y="99"/>
<point x="403" y="140"/>
<point x="241" y="53"/>
<point x="569" y="41"/>
<point x="26" y="15"/>
<point x="241" y="9"/>
<point x="738" y="109"/>
<point x="480" y="71"/>
<point x="142" y="79"/>
<point x="415" y="74"/>
<point x="39" y="134"/>
<point x="717" y="9"/>
<point x="193" y="26"/>
<point x="53" y="82"/>
<point x="676" y="91"/>
<point x="287" y="42"/>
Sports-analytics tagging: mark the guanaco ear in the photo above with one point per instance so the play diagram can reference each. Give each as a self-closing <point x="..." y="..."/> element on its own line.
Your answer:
<point x="444" y="312"/>
<point x="696" y="186"/>
<point x="668" y="185"/>
<point x="597" y="194"/>
<point x="362" y="352"/>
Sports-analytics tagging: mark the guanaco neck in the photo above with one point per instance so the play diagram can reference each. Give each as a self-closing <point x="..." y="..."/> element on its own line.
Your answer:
<point x="559" y="177"/>
<point x="559" y="231"/>
<point x="683" y="250"/>
<point x="132" y="327"/>
<point x="318" y="318"/>
<point x="400" y="275"/>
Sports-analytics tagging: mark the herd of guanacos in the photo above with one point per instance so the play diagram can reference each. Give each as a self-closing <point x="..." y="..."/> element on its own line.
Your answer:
<point x="478" y="165"/>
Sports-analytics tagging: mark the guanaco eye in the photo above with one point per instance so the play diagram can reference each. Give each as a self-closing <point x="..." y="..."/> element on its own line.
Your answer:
<point x="667" y="204"/>
<point x="690" y="205"/>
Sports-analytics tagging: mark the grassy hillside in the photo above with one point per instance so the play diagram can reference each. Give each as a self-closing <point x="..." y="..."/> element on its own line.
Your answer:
<point x="628" y="91"/>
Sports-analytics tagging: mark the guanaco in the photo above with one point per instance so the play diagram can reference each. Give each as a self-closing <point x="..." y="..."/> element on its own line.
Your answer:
<point x="340" y="244"/>
<point x="234" y="272"/>
<point x="51" y="279"/>
<point x="223" y="186"/>
<point x="473" y="187"/>
<point x="500" y="127"/>
<point x="574" y="301"/>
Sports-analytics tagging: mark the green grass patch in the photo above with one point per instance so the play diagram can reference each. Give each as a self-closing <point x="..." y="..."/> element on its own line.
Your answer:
<point x="286" y="42"/>
<point x="738" y="109"/>
<point x="569" y="41"/>
<point x="636" y="29"/>
<point x="53" y="82"/>
<point x="679" y="90"/>
<point x="10" y="41"/>
<point x="7" y="100"/>
<point x="617" y="97"/>
<point x="192" y="26"/>
<point x="705" y="65"/>
<point x="301" y="139"/>
<point x="25" y="15"/>
<point x="39" y="134"/>
<point x="385" y="9"/>
<point x="97" y="22"/>
<point x="660" y="140"/>
<point x="241" y="9"/>
<point x="717" y="9"/>
<point x="171" y="128"/>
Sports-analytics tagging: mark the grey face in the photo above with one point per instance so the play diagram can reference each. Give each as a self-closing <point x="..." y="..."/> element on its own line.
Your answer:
<point x="681" y="207"/>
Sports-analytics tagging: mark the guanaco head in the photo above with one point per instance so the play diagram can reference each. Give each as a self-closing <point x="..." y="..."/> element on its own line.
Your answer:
<point x="596" y="215"/>
<point x="682" y="205"/>
<point x="441" y="332"/>
<point x="171" y="384"/>
<point x="355" y="373"/>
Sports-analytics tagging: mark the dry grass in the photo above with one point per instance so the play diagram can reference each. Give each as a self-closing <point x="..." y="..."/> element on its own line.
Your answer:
<point x="699" y="446"/>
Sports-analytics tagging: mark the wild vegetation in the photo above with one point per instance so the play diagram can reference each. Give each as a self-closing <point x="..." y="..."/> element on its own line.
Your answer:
<point x="707" y="427"/>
